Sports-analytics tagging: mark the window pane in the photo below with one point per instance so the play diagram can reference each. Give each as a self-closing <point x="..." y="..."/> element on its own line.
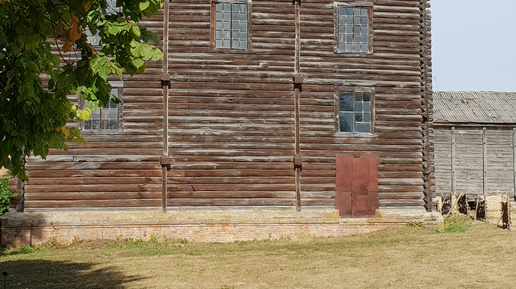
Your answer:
<point x="113" y="124"/>
<point x="367" y="96"/>
<point x="358" y="96"/>
<point x="104" y="113"/>
<point x="95" y="124"/>
<point x="367" y="106"/>
<point x="367" y="117"/>
<point x="346" y="122"/>
<point x="346" y="101"/>
<point x="358" y="116"/>
<point x="363" y="127"/>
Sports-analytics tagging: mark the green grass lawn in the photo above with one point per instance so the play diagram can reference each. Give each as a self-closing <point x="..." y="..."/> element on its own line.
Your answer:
<point x="471" y="255"/>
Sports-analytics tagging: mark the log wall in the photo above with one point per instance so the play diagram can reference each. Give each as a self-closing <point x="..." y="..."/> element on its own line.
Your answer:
<point x="231" y="114"/>
<point x="115" y="169"/>
<point x="236" y="120"/>
<point x="393" y="70"/>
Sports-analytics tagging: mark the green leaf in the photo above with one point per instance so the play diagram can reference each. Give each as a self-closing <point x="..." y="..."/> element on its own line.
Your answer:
<point x="138" y="62"/>
<point x="144" y="5"/>
<point x="135" y="31"/>
<point x="147" y="36"/>
<point x="31" y="65"/>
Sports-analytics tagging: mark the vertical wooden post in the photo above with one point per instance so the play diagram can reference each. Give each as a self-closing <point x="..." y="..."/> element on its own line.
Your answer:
<point x="297" y="167"/>
<point x="484" y="161"/>
<point x="453" y="180"/>
<point x="165" y="84"/>
<point x="297" y="95"/>
<point x="514" y="162"/>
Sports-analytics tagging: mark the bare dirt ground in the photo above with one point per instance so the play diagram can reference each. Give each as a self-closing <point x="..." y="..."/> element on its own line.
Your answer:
<point x="411" y="257"/>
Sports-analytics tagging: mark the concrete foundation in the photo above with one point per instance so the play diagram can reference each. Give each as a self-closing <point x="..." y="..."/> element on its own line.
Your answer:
<point x="65" y="227"/>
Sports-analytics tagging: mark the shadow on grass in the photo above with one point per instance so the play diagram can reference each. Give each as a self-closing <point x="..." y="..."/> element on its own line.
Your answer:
<point x="57" y="274"/>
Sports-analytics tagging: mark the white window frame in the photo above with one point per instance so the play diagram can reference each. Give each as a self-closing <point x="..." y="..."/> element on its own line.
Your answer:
<point x="215" y="38"/>
<point x="358" y="109"/>
<point x="364" y="5"/>
<point x="117" y="87"/>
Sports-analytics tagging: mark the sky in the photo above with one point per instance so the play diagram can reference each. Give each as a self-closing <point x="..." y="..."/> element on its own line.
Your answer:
<point x="474" y="45"/>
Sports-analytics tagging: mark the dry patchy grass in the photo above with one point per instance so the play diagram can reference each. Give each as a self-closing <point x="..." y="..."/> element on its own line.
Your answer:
<point x="476" y="255"/>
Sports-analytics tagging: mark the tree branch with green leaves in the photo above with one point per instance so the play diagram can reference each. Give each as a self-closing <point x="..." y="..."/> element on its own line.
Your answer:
<point x="48" y="39"/>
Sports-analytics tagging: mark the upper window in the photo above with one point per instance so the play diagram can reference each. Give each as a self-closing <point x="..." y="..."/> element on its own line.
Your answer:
<point x="230" y="25"/>
<point x="355" y="111"/>
<point x="105" y="119"/>
<point x="353" y="29"/>
<point x="111" y="8"/>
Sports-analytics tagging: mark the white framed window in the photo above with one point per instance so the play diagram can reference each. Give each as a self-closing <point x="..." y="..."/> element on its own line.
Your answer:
<point x="106" y="119"/>
<point x="111" y="9"/>
<point x="355" y="111"/>
<point x="230" y="25"/>
<point x="353" y="28"/>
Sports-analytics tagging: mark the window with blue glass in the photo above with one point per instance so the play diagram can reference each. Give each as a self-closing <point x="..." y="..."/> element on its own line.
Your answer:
<point x="231" y="25"/>
<point x="355" y="112"/>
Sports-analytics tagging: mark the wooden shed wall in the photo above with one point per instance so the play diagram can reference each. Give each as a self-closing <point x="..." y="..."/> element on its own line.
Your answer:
<point x="443" y="160"/>
<point x="500" y="161"/>
<point x="471" y="157"/>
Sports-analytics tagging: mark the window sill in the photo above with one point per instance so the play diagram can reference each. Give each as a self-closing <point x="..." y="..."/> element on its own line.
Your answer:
<point x="354" y="135"/>
<point x="353" y="54"/>
<point x="232" y="51"/>
<point x="100" y="132"/>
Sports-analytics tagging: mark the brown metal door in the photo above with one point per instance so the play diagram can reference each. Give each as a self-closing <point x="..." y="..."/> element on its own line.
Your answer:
<point x="356" y="188"/>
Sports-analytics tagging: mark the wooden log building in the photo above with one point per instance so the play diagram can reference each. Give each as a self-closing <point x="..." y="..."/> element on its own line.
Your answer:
<point x="261" y="104"/>
<point x="475" y="143"/>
